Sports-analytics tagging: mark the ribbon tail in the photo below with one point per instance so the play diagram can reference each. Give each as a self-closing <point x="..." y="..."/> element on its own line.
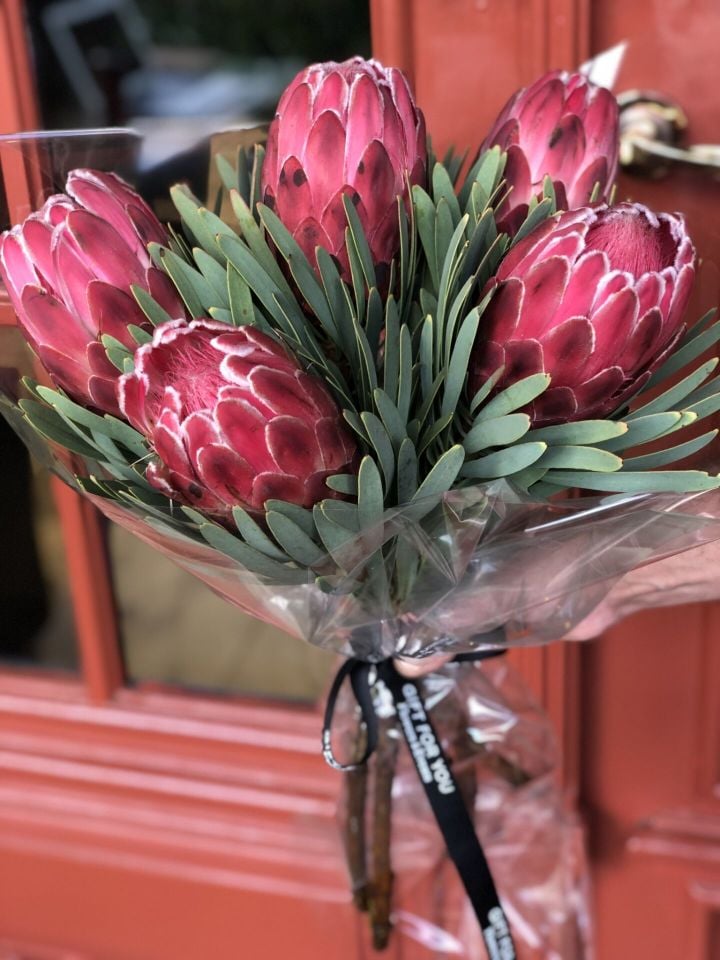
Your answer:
<point x="452" y="817"/>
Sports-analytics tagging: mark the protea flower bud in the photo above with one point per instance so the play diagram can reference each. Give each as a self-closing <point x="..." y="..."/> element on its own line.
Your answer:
<point x="233" y="419"/>
<point x="344" y="129"/>
<point x="562" y="126"/>
<point x="595" y="297"/>
<point x="68" y="270"/>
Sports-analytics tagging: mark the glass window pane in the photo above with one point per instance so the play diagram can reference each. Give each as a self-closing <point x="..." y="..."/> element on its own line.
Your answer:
<point x="176" y="630"/>
<point x="36" y="627"/>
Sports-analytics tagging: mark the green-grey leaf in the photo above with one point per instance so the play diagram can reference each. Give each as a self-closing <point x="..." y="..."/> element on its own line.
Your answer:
<point x="139" y="335"/>
<point x="705" y="407"/>
<point x="541" y="212"/>
<point x="370" y="494"/>
<point x="580" y="432"/>
<point x="661" y="458"/>
<point x="108" y="425"/>
<point x="660" y="481"/>
<point x="516" y="395"/>
<point x="407" y="472"/>
<point x="344" y="483"/>
<point x="241" y="305"/>
<point x="188" y="206"/>
<point x="670" y="399"/>
<point x="486" y="389"/>
<point x="443" y="189"/>
<point x="580" y="458"/>
<point x="443" y="475"/>
<point x="192" y="286"/>
<point x="360" y="243"/>
<point x="393" y="422"/>
<point x="382" y="445"/>
<point x="685" y="354"/>
<point x="152" y="310"/>
<point x="497" y="432"/>
<point x="425" y="219"/>
<point x="644" y="429"/>
<point x="293" y="539"/>
<point x="255" y="240"/>
<point x="117" y="353"/>
<point x="253" y="534"/>
<point x="503" y="463"/>
<point x="255" y="561"/>
<point x="51" y="425"/>
<point x="459" y="362"/>
<point x="215" y="274"/>
<point x="299" y="515"/>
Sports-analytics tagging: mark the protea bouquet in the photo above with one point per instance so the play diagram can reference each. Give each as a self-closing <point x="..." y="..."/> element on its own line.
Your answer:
<point x="354" y="410"/>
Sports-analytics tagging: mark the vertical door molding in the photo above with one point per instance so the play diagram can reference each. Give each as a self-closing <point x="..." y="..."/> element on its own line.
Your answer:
<point x="82" y="527"/>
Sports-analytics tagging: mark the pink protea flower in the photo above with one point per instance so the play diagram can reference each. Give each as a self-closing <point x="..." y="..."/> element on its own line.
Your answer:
<point x="68" y="270"/>
<point x="596" y="298"/>
<point x="233" y="418"/>
<point x="562" y="126"/>
<point x="344" y="129"/>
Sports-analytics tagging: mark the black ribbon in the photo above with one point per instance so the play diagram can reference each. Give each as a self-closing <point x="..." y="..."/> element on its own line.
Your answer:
<point x="436" y="776"/>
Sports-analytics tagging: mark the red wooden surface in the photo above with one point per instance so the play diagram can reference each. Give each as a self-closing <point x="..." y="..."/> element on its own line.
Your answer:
<point x="137" y="825"/>
<point x="651" y="688"/>
<point x="165" y="827"/>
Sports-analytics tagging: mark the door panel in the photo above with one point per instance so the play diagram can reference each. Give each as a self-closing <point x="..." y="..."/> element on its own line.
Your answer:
<point x="651" y="708"/>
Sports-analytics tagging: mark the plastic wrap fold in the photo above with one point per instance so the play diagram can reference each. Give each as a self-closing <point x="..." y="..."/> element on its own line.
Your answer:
<point x="477" y="567"/>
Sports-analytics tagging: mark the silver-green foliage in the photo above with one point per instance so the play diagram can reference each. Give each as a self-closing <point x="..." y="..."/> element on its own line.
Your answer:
<point x="397" y="364"/>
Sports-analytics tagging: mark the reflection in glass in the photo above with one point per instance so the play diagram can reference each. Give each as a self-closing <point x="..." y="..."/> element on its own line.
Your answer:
<point x="36" y="626"/>
<point x="176" y="630"/>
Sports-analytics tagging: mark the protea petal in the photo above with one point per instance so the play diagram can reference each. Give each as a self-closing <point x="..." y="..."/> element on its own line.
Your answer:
<point x="294" y="193"/>
<point x="374" y="180"/>
<point x="113" y="310"/>
<point x="365" y="121"/>
<point x="37" y="235"/>
<point x="104" y="253"/>
<point x="297" y="119"/>
<point x="293" y="446"/>
<point x="46" y="320"/>
<point x="279" y="486"/>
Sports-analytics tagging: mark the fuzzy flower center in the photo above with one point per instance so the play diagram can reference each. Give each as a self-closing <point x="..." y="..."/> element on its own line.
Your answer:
<point x="192" y="366"/>
<point x="634" y="242"/>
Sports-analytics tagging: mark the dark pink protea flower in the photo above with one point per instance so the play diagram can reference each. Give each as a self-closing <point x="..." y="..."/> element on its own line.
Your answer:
<point x="68" y="270"/>
<point x="233" y="419"/>
<point x="562" y="126"/>
<point x="344" y="129"/>
<point x="595" y="297"/>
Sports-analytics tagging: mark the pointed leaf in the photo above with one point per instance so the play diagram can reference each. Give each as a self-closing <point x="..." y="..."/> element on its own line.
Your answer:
<point x="504" y="463"/>
<point x="497" y="432"/>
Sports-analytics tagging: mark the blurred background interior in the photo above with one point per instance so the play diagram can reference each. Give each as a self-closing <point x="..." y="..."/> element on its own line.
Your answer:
<point x="176" y="72"/>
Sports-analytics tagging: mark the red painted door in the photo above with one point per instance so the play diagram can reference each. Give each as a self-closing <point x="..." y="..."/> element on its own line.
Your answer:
<point x="142" y="821"/>
<point x="649" y="705"/>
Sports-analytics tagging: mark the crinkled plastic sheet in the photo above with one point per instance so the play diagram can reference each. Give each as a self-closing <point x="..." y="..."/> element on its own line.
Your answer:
<point x="505" y="758"/>
<point x="489" y="565"/>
